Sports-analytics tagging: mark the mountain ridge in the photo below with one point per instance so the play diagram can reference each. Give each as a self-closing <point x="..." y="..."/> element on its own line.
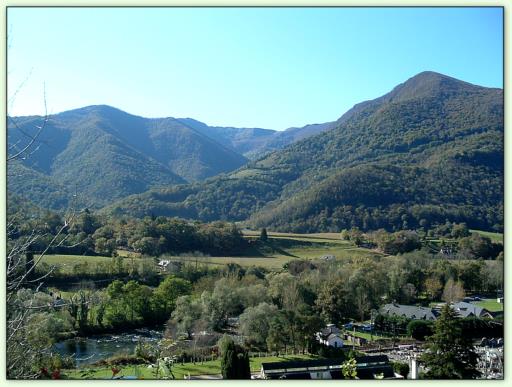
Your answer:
<point x="449" y="121"/>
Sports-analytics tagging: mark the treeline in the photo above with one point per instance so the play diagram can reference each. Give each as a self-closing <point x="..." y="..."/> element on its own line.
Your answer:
<point x="461" y="243"/>
<point x="88" y="233"/>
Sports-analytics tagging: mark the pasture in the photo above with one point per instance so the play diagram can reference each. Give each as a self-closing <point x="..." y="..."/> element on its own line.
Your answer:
<point x="494" y="236"/>
<point x="273" y="254"/>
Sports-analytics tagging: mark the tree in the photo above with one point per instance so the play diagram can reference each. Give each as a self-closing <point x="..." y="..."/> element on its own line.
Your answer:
<point x="408" y="293"/>
<point x="255" y="323"/>
<point x="349" y="369"/>
<point x="449" y="353"/>
<point x="186" y="316"/>
<point x="278" y="334"/>
<point x="263" y="235"/>
<point x="225" y="301"/>
<point x="453" y="291"/>
<point x="165" y="295"/>
<point x="433" y="287"/>
<point x="334" y="302"/>
<point x="460" y="230"/>
<point x="478" y="246"/>
<point x="234" y="361"/>
<point x="419" y="329"/>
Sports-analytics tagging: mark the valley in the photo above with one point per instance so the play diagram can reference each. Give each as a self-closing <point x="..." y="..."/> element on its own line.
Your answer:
<point x="152" y="248"/>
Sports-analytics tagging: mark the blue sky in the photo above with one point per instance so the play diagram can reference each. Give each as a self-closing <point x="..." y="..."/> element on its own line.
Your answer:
<point x="254" y="67"/>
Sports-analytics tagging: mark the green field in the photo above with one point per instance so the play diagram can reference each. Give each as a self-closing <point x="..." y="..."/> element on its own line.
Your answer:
<point x="277" y="259"/>
<point x="280" y="248"/>
<point x="179" y="370"/>
<point x="54" y="259"/>
<point x="65" y="263"/>
<point x="494" y="236"/>
<point x="490" y="304"/>
<point x="324" y="235"/>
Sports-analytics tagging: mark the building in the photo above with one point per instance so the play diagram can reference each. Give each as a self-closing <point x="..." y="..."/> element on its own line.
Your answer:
<point x="409" y="311"/>
<point x="330" y="336"/>
<point x="163" y="264"/>
<point x="368" y="367"/>
<point x="466" y="309"/>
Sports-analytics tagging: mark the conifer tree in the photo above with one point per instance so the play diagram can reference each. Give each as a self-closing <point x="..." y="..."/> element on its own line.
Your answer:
<point x="449" y="354"/>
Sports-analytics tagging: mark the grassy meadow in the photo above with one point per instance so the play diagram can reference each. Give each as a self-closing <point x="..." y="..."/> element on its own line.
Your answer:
<point x="279" y="249"/>
<point x="494" y="236"/>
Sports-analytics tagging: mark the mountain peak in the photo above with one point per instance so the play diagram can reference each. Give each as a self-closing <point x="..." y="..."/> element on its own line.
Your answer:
<point x="429" y="84"/>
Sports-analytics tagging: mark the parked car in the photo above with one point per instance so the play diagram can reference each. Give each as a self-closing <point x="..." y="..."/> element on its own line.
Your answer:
<point x="367" y="328"/>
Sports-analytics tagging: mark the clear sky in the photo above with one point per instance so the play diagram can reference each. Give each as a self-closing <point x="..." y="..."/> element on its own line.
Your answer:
<point x="254" y="67"/>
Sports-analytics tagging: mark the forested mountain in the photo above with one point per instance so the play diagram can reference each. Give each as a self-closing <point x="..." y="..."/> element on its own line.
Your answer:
<point x="255" y="142"/>
<point x="100" y="154"/>
<point x="428" y="151"/>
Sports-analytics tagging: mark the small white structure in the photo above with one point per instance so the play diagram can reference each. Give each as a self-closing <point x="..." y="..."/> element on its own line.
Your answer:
<point x="499" y="300"/>
<point x="330" y="336"/>
<point x="163" y="264"/>
<point x="333" y="340"/>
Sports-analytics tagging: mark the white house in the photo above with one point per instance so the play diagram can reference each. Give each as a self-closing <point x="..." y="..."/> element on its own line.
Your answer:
<point x="330" y="336"/>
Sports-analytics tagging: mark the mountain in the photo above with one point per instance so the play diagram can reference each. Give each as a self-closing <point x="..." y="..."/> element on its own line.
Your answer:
<point x="102" y="154"/>
<point x="241" y="140"/>
<point x="286" y="137"/>
<point x="255" y="142"/>
<point x="430" y="150"/>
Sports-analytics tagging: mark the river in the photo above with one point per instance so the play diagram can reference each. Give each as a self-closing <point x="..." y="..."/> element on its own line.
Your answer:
<point x="88" y="350"/>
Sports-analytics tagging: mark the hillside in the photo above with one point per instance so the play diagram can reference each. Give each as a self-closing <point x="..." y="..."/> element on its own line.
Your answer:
<point x="103" y="154"/>
<point x="430" y="150"/>
<point x="100" y="154"/>
<point x="255" y="142"/>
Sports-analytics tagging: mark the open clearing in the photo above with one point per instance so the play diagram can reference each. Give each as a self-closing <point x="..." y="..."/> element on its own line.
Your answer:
<point x="279" y="249"/>
<point x="494" y="236"/>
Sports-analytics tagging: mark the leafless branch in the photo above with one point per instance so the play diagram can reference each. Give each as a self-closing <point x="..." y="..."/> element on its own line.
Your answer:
<point x="34" y="137"/>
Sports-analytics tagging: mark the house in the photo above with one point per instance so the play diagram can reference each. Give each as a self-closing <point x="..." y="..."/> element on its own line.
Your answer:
<point x="162" y="265"/>
<point x="368" y="367"/>
<point x="330" y="336"/>
<point x="466" y="309"/>
<point x="408" y="311"/>
<point x="166" y="265"/>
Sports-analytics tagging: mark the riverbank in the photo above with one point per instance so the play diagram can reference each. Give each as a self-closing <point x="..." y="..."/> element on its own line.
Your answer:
<point x="94" y="348"/>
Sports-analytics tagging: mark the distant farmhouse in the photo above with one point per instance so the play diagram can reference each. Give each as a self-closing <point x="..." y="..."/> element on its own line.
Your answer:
<point x="330" y="336"/>
<point x="368" y="367"/>
<point x="464" y="309"/>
